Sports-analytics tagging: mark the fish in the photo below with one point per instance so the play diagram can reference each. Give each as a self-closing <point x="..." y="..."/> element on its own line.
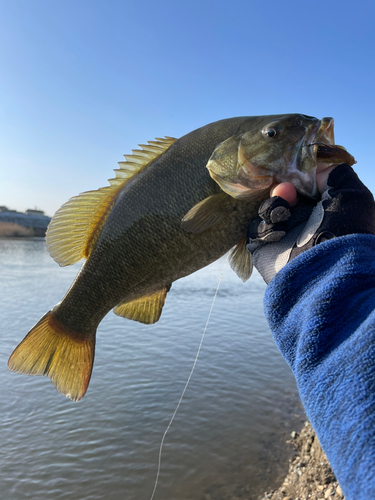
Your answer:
<point x="173" y="207"/>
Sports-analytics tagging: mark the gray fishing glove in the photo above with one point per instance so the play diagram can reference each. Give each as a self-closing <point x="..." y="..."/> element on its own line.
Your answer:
<point x="280" y="233"/>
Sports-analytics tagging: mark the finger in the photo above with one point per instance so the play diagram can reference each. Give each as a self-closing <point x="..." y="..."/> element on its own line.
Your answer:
<point x="323" y="166"/>
<point x="287" y="191"/>
<point x="322" y="176"/>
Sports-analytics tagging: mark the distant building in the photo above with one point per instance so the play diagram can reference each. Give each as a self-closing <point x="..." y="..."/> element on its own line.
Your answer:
<point x="30" y="211"/>
<point x="35" y="220"/>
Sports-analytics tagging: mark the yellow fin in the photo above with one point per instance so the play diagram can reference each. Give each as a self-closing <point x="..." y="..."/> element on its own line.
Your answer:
<point x="73" y="225"/>
<point x="146" y="310"/>
<point x="52" y="350"/>
<point x="240" y="260"/>
<point x="73" y="229"/>
<point x="207" y="213"/>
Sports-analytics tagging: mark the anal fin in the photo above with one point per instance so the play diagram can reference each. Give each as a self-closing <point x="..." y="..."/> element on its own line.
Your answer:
<point x="146" y="309"/>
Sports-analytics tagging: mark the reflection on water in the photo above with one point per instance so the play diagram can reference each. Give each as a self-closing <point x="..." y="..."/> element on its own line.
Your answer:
<point x="227" y="440"/>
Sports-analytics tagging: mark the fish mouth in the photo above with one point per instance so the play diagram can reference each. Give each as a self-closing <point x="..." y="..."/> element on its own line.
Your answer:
<point x="303" y="174"/>
<point x="323" y="149"/>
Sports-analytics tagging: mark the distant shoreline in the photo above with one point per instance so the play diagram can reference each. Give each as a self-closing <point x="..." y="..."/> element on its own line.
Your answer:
<point x="23" y="224"/>
<point x="21" y="238"/>
<point x="13" y="230"/>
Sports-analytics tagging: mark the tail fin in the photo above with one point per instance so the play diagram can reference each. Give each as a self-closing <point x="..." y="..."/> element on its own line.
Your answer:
<point x="51" y="349"/>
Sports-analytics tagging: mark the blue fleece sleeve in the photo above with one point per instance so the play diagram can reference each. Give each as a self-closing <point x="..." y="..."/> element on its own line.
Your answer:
<point x="321" y="309"/>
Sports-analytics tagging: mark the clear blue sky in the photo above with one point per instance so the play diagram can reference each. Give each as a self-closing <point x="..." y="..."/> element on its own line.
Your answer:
<point x="83" y="82"/>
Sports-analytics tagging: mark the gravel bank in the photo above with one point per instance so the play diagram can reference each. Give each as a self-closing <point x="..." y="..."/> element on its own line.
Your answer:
<point x="310" y="476"/>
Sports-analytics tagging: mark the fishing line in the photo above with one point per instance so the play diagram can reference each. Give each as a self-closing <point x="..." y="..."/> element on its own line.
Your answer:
<point x="187" y="382"/>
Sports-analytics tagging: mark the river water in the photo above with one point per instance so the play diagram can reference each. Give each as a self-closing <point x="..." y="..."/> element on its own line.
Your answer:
<point x="228" y="438"/>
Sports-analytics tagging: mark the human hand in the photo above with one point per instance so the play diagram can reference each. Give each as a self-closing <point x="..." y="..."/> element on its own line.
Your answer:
<point x="292" y="225"/>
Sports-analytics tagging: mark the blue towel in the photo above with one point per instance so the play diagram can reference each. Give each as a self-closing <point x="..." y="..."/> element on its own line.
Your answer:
<point x="321" y="310"/>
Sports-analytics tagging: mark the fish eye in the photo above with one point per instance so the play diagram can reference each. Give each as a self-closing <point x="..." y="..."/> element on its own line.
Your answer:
<point x="271" y="132"/>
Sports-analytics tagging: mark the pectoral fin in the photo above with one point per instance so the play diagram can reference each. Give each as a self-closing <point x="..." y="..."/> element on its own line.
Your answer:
<point x="207" y="213"/>
<point x="240" y="260"/>
<point x="146" y="309"/>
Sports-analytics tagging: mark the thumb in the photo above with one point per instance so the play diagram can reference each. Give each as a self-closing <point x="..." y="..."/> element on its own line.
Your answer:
<point x="322" y="176"/>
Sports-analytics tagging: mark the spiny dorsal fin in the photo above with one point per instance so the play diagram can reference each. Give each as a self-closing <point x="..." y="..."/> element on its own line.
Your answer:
<point x="73" y="229"/>
<point x="140" y="159"/>
<point x="240" y="260"/>
<point x="207" y="213"/>
<point x="147" y="309"/>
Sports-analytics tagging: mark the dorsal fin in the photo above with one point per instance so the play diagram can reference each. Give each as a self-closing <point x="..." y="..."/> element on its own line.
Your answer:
<point x="75" y="227"/>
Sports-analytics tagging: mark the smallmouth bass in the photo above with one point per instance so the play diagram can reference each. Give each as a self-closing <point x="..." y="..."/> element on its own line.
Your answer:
<point x="174" y="207"/>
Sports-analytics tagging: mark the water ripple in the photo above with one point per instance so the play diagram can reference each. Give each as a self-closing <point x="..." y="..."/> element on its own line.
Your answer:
<point x="228" y="434"/>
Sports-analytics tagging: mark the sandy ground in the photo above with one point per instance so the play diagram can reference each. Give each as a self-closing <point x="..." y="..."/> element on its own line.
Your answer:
<point x="310" y="475"/>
